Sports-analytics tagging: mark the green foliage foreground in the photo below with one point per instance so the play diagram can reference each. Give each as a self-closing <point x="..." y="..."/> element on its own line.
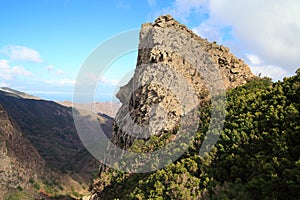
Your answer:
<point x="256" y="157"/>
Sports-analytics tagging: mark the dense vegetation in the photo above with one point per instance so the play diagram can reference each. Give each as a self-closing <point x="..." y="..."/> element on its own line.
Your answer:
<point x="257" y="155"/>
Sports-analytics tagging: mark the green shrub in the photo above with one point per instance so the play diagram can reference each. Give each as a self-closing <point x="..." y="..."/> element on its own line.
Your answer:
<point x="256" y="156"/>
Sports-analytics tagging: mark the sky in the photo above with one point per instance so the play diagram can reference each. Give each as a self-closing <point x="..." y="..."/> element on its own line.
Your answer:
<point x="44" y="43"/>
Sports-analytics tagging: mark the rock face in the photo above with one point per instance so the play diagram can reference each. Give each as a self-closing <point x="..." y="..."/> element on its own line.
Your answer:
<point x="176" y="70"/>
<point x="19" y="160"/>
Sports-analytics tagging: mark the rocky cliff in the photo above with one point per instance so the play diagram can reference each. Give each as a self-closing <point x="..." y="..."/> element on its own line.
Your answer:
<point x="176" y="70"/>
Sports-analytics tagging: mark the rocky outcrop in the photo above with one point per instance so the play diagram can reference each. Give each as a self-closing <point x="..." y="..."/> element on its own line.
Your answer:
<point x="176" y="70"/>
<point x="20" y="162"/>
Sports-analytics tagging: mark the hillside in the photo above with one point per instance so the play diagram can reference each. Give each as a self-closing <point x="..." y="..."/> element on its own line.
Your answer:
<point x="47" y="128"/>
<point x="180" y="82"/>
<point x="256" y="157"/>
<point x="19" y="160"/>
<point x="23" y="172"/>
<point x="17" y="93"/>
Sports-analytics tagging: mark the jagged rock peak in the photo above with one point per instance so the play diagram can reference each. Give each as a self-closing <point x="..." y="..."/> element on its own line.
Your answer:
<point x="174" y="72"/>
<point x="167" y="50"/>
<point x="168" y="21"/>
<point x="163" y="21"/>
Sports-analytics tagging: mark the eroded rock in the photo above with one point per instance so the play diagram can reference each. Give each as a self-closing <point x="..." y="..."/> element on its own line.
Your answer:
<point x="176" y="69"/>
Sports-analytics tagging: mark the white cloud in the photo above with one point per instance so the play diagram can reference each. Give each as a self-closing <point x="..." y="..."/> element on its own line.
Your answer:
<point x="151" y="3"/>
<point x="6" y="75"/>
<point x="4" y="64"/>
<point x="269" y="28"/>
<point x="258" y="67"/>
<point x="208" y="31"/>
<point x="183" y="8"/>
<point x="59" y="72"/>
<point x="8" y="72"/>
<point x="4" y="84"/>
<point x="254" y="60"/>
<point x="271" y="71"/>
<point x="108" y="81"/>
<point x="21" y="71"/>
<point x="50" y="68"/>
<point x="22" y="53"/>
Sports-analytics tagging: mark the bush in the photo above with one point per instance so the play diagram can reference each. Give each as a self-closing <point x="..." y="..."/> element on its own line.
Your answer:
<point x="256" y="156"/>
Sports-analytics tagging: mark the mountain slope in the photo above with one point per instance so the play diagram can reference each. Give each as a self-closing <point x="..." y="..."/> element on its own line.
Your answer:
<point x="256" y="157"/>
<point x="18" y="93"/>
<point x="19" y="160"/>
<point x="257" y="153"/>
<point x="50" y="129"/>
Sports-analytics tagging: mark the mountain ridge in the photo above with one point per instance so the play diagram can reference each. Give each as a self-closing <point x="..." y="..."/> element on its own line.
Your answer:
<point x="48" y="128"/>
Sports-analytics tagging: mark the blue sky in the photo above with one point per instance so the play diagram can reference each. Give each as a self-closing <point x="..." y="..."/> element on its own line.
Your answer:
<point x="43" y="43"/>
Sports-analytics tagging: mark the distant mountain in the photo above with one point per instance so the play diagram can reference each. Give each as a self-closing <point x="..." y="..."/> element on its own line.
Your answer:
<point x="47" y="129"/>
<point x="17" y="93"/>
<point x="107" y="108"/>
